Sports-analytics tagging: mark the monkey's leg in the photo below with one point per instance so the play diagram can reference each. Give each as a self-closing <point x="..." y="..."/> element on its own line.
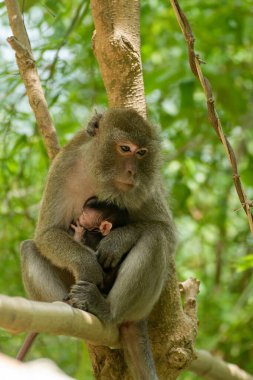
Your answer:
<point x="137" y="350"/>
<point x="140" y="279"/>
<point x="42" y="280"/>
<point x="134" y="335"/>
<point x="63" y="252"/>
<point x="137" y="287"/>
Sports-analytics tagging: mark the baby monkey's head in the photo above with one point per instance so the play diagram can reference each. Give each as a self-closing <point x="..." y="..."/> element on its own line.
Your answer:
<point x="102" y="216"/>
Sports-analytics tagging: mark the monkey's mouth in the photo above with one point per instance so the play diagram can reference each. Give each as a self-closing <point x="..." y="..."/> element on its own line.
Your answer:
<point x="124" y="186"/>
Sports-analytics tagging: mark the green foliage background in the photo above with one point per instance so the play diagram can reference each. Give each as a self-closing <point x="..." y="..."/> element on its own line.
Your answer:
<point x="215" y="243"/>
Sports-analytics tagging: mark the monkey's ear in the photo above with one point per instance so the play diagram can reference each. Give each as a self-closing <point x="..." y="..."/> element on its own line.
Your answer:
<point x="93" y="125"/>
<point x="105" y="227"/>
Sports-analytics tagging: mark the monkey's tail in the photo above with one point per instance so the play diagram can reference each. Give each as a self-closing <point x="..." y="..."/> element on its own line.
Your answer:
<point x="137" y="350"/>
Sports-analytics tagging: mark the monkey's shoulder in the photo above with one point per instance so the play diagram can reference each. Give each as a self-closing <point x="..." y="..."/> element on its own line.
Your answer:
<point x="71" y="156"/>
<point x="79" y="139"/>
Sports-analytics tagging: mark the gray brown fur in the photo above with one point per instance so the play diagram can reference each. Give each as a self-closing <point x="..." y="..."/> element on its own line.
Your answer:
<point x="88" y="166"/>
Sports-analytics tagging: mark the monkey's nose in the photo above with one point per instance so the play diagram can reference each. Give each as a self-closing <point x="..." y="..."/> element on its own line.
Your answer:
<point x="131" y="173"/>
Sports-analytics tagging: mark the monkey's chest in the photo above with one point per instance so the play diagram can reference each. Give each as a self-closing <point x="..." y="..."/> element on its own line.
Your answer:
<point x="79" y="188"/>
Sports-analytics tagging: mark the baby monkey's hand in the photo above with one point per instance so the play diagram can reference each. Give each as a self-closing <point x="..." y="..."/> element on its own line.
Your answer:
<point x="79" y="231"/>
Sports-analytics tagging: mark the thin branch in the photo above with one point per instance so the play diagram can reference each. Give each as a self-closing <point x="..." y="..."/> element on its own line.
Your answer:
<point x="26" y="346"/>
<point x="17" y="23"/>
<point x="209" y="367"/>
<point x="26" y="63"/>
<point x="190" y="289"/>
<point x="77" y="16"/>
<point x="195" y="62"/>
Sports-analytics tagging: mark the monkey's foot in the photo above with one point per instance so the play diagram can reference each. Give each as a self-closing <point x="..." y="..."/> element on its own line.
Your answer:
<point x="86" y="296"/>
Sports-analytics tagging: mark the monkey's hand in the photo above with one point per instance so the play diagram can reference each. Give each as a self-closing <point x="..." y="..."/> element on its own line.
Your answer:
<point x="107" y="258"/>
<point x="114" y="247"/>
<point x="79" y="231"/>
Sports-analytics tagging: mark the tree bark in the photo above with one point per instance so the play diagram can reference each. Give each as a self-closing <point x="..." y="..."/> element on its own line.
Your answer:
<point x="116" y="44"/>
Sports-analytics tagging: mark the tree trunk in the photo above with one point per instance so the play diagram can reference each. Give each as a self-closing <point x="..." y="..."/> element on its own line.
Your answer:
<point x="116" y="44"/>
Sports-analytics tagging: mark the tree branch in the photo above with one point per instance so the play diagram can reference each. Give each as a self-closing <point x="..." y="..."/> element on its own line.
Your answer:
<point x="212" y="368"/>
<point x="19" y="314"/>
<point x="81" y="11"/>
<point x="195" y="62"/>
<point x="190" y="289"/>
<point x="26" y="64"/>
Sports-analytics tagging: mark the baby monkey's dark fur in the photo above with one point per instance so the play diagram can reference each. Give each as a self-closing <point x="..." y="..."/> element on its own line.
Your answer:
<point x="118" y="160"/>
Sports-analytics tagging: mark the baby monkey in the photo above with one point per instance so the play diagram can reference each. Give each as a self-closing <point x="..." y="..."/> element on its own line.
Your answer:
<point x="96" y="221"/>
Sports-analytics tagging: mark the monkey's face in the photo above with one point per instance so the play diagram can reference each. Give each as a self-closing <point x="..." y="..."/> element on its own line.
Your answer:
<point x="127" y="159"/>
<point x="128" y="155"/>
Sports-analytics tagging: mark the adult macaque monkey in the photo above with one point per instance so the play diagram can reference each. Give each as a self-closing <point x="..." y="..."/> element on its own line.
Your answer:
<point x="118" y="160"/>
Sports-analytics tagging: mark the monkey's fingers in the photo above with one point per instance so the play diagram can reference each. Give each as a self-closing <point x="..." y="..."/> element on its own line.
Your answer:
<point x="86" y="296"/>
<point x="77" y="297"/>
<point x="107" y="260"/>
<point x="102" y="256"/>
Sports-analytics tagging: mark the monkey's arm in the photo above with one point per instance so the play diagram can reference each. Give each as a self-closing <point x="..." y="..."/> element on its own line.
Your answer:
<point x="138" y="285"/>
<point x="117" y="244"/>
<point x="79" y="231"/>
<point x="60" y="249"/>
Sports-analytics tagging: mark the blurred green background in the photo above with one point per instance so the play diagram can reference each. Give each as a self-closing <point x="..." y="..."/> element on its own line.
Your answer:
<point x="215" y="244"/>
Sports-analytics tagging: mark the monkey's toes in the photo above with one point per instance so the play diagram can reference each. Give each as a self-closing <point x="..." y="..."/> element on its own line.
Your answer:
<point x="80" y="295"/>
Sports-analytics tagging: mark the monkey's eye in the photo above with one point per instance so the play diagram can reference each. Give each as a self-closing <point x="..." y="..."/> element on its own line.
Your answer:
<point x="141" y="152"/>
<point x="125" y="148"/>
